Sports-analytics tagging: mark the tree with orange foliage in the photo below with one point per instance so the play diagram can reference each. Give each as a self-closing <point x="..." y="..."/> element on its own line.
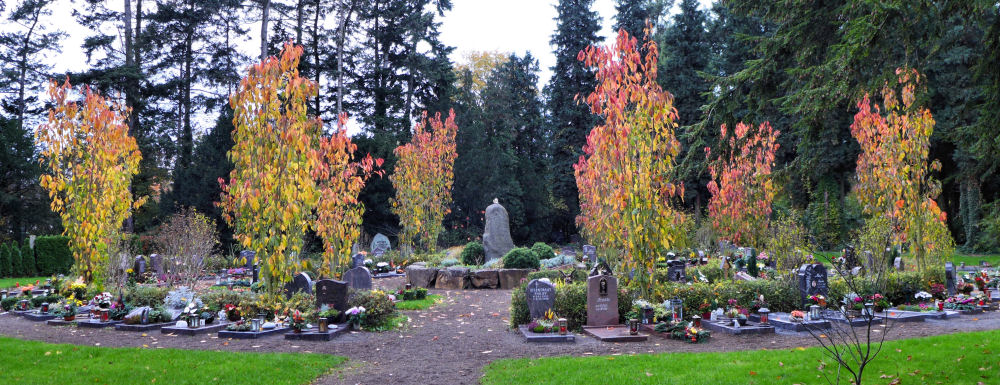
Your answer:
<point x="624" y="177"/>
<point x="423" y="178"/>
<point x="893" y="174"/>
<point x="742" y="189"/>
<point x="91" y="160"/>
<point x="338" y="212"/>
<point x="271" y="193"/>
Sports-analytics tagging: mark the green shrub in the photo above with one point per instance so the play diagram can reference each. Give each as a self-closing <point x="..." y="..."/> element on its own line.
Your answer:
<point x="15" y="258"/>
<point x="543" y="251"/>
<point x="143" y="295"/>
<point x="448" y="262"/>
<point x="473" y="254"/>
<point x="216" y="299"/>
<point x="555" y="275"/>
<point x="28" y="259"/>
<point x="52" y="299"/>
<point x="379" y="308"/>
<point x="421" y="293"/>
<point x="53" y="255"/>
<point x="5" y="263"/>
<point x="8" y="303"/>
<point x="520" y="258"/>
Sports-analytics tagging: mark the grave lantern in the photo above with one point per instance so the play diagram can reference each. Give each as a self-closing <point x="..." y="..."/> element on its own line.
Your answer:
<point x="409" y="286"/>
<point x="562" y="326"/>
<point x="678" y="309"/>
<point x="22" y="304"/>
<point x="814" y="312"/>
<point x="940" y="305"/>
<point x="869" y="309"/>
<point x="633" y="326"/>
<point x="255" y="325"/>
<point x="105" y="314"/>
<point x="696" y="321"/>
<point x="3" y="294"/>
<point x="45" y="307"/>
<point x="323" y="327"/>
<point x="763" y="315"/>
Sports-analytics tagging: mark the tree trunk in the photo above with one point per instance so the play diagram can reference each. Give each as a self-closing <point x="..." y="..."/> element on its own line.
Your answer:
<point x="298" y="22"/>
<point x="265" y="12"/>
<point x="345" y="11"/>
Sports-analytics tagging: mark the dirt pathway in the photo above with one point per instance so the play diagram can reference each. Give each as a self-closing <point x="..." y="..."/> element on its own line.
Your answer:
<point x="447" y="344"/>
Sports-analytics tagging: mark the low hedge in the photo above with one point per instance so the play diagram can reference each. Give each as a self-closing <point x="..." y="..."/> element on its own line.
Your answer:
<point x="555" y="275"/>
<point x="379" y="309"/>
<point x="53" y="255"/>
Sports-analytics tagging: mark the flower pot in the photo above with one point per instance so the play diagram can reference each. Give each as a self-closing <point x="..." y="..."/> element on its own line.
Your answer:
<point x="69" y="318"/>
<point x="879" y="309"/>
<point x="742" y="321"/>
<point x="297" y="330"/>
<point x="853" y="313"/>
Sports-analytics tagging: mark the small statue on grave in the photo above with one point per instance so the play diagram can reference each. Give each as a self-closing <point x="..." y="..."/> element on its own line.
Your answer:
<point x="601" y="268"/>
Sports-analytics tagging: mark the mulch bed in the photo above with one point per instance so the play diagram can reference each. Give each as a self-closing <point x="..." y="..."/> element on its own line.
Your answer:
<point x="450" y="342"/>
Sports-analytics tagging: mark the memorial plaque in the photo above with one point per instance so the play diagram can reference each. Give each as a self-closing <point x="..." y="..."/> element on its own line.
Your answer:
<point x="380" y="245"/>
<point x="813" y="280"/>
<point x="590" y="253"/>
<point x="676" y="271"/>
<point x="541" y="296"/>
<point x="898" y="264"/>
<point x="602" y="300"/>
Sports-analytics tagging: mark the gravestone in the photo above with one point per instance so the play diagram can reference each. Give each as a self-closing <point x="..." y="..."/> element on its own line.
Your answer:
<point x="380" y="245"/>
<point x="949" y="277"/>
<point x="157" y="262"/>
<point x="541" y="297"/>
<point x="248" y="257"/>
<point x="813" y="279"/>
<point x="602" y="300"/>
<point x="850" y="258"/>
<point x="871" y="259"/>
<point x="676" y="271"/>
<point x="590" y="253"/>
<point x="898" y="264"/>
<point x="358" y="278"/>
<point x="496" y="235"/>
<point x="357" y="260"/>
<point x="983" y="263"/>
<point x="333" y="293"/>
<point x="139" y="266"/>
<point x="568" y="250"/>
<point x="301" y="282"/>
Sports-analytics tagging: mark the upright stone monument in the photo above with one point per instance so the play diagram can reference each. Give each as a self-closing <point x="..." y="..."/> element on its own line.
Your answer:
<point x="541" y="296"/>
<point x="380" y="245"/>
<point x="602" y="300"/>
<point x="813" y="280"/>
<point x="676" y="271"/>
<point x="590" y="253"/>
<point x="358" y="278"/>
<point x="301" y="282"/>
<point x="139" y="266"/>
<point x="332" y="293"/>
<point x="496" y="237"/>
<point x="949" y="278"/>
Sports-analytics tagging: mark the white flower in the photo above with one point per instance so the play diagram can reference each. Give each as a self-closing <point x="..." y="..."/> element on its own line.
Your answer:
<point x="368" y="261"/>
<point x="923" y="295"/>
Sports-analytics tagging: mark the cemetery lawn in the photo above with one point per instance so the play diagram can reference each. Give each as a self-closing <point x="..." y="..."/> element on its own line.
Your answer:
<point x="6" y="283"/>
<point x="419" y="304"/>
<point x="962" y="358"/>
<point x="33" y="362"/>
<point x="973" y="260"/>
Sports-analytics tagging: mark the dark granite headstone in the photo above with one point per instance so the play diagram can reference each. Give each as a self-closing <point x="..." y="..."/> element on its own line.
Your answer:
<point x="541" y="297"/>
<point x="676" y="271"/>
<point x="813" y="279"/>
<point x="949" y="278"/>
<point x="380" y="245"/>
<point x="157" y="262"/>
<point x="602" y="300"/>
<point x="898" y="264"/>
<point x="850" y="258"/>
<point x="358" y="278"/>
<point x="333" y="293"/>
<point x="301" y="282"/>
<point x="139" y="266"/>
<point x="357" y="260"/>
<point x="590" y="253"/>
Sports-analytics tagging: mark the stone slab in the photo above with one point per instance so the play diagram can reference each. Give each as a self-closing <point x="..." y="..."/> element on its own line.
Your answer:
<point x="615" y="333"/>
<point x="905" y="316"/>
<point x="837" y="316"/>
<point x="316" y="335"/>
<point x="38" y="317"/>
<point x="421" y="276"/>
<point x="485" y="279"/>
<point x="95" y="324"/>
<point x="249" y="335"/>
<point x="62" y="322"/>
<point x="727" y="327"/>
<point x="186" y="331"/>
<point x="142" y="327"/>
<point x="784" y="321"/>
<point x="531" y="336"/>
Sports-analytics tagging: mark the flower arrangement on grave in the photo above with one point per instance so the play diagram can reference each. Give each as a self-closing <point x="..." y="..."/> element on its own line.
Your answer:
<point x="328" y="312"/>
<point x="854" y="302"/>
<point x="356" y="315"/>
<point x="961" y="302"/>
<point x="923" y="296"/>
<point x="683" y="331"/>
<point x="937" y="290"/>
<point x="382" y="267"/>
<point x="67" y="308"/>
<point x="26" y="290"/>
<point x="880" y="302"/>
<point x="298" y="321"/>
<point x="103" y="300"/>
<point x="797" y="316"/>
<point x="982" y="280"/>
<point x="239" y="326"/>
<point x="817" y="300"/>
<point x="758" y="303"/>
<point x="232" y="312"/>
<point x="77" y="289"/>
<point x="965" y="288"/>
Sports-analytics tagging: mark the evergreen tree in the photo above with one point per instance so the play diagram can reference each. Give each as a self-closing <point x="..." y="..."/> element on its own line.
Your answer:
<point x="6" y="267"/>
<point x="24" y="206"/>
<point x="17" y="267"/>
<point x="632" y="15"/>
<point x="570" y="119"/>
<point x="28" y="259"/>
<point x="25" y="45"/>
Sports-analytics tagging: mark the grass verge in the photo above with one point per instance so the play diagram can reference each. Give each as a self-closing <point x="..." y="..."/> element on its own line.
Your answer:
<point x="963" y="358"/>
<point x="33" y="362"/>
<point x="392" y="323"/>
<point x="419" y="304"/>
<point x="7" y="283"/>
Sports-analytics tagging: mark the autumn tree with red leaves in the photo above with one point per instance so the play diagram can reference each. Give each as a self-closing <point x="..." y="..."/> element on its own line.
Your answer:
<point x="624" y="177"/>
<point x="893" y="174"/>
<point x="741" y="187"/>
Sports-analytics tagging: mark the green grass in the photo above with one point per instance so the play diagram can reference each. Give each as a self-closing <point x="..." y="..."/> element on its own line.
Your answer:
<point x="419" y="304"/>
<point x="33" y="362"/>
<point x="397" y="321"/>
<point x="964" y="358"/>
<point x="973" y="260"/>
<point x="6" y="283"/>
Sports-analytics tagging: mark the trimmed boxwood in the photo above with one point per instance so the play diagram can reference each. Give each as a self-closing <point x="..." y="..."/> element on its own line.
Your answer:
<point x="17" y="268"/>
<point x="52" y="255"/>
<point x="473" y="254"/>
<point x="28" y="259"/>
<point x="520" y="258"/>
<point x="543" y="251"/>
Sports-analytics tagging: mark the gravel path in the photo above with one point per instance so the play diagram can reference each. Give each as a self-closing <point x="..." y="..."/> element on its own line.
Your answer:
<point x="449" y="343"/>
